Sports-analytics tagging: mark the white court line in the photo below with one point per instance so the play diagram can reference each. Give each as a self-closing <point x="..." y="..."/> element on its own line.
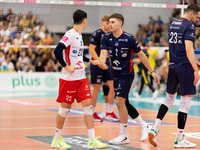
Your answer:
<point x="159" y="101"/>
<point x="23" y="94"/>
<point x="82" y="127"/>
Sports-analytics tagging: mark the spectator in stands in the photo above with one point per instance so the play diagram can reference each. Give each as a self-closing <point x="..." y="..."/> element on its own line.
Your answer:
<point x="7" y="65"/>
<point x="151" y="21"/>
<point x="29" y="16"/>
<point x="23" y="59"/>
<point x="24" y="33"/>
<point x="10" y="15"/>
<point x="14" y="32"/>
<point x="24" y="22"/>
<point x="159" y="21"/>
<point x="29" y="68"/>
<point x="34" y="21"/>
<point x="14" y="59"/>
<point x="36" y="39"/>
<point x="18" y="68"/>
<point x="18" y="40"/>
<point x="4" y="33"/>
<point x="27" y="41"/>
<point x="39" y="67"/>
<point x="47" y="40"/>
<point x="33" y="59"/>
<point x="50" y="67"/>
<point x="2" y="56"/>
<point x="2" y="17"/>
<point x="16" y="21"/>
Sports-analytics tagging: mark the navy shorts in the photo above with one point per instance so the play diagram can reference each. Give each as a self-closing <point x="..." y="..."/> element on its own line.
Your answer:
<point x="122" y="86"/>
<point x="183" y="76"/>
<point x="98" y="75"/>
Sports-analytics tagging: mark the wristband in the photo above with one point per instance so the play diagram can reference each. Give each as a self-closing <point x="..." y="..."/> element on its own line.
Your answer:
<point x="152" y="72"/>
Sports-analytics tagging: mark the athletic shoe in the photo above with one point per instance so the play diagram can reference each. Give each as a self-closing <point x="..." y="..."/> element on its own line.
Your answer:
<point x="111" y="117"/>
<point x="97" y="118"/>
<point x="102" y="115"/>
<point x="121" y="139"/>
<point x="155" y="94"/>
<point x="145" y="130"/>
<point x="96" y="144"/>
<point x="183" y="143"/>
<point x="136" y="95"/>
<point x="59" y="144"/>
<point x="153" y="137"/>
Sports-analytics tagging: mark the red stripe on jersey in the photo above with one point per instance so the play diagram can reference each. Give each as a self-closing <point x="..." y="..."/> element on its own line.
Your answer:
<point x="67" y="50"/>
<point x="131" y="62"/>
<point x="95" y="51"/>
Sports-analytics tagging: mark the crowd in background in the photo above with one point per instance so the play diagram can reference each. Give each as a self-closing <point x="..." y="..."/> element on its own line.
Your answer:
<point x="25" y="29"/>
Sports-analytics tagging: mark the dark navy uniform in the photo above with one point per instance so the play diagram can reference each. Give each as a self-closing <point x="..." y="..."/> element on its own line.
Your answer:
<point x="98" y="74"/>
<point x="121" y="52"/>
<point x="180" y="69"/>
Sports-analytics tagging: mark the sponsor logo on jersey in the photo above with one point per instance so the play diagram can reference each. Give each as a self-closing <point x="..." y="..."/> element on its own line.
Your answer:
<point x="179" y="41"/>
<point x="116" y="44"/>
<point x="116" y="62"/>
<point x="121" y="40"/>
<point x="79" y="64"/>
<point x="124" y="55"/>
<point x="75" y="51"/>
<point x="65" y="38"/>
<point x="177" y="23"/>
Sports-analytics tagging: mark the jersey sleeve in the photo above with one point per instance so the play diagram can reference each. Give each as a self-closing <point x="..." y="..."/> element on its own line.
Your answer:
<point x="190" y="33"/>
<point x="94" y="39"/>
<point x="134" y="45"/>
<point x="66" y="39"/>
<point x="104" y="45"/>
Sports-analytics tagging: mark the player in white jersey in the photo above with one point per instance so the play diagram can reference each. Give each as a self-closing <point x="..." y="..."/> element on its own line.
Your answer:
<point x="73" y="82"/>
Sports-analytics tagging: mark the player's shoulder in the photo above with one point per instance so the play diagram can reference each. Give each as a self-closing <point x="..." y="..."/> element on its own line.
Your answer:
<point x="97" y="32"/>
<point x="71" y="32"/>
<point x="128" y="36"/>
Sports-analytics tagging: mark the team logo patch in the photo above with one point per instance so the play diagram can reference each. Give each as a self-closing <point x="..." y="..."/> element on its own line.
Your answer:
<point x="65" y="38"/>
<point x="74" y="51"/>
<point x="116" y="44"/>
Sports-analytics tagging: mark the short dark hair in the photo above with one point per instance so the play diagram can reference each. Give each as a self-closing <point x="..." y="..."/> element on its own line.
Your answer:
<point x="118" y="16"/>
<point x="79" y="16"/>
<point x="193" y="7"/>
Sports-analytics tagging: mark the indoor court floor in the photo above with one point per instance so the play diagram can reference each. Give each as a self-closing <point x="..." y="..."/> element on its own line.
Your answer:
<point x="27" y="122"/>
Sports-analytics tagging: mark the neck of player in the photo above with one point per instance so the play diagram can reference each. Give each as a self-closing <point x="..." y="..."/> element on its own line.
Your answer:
<point x="79" y="28"/>
<point x="117" y="33"/>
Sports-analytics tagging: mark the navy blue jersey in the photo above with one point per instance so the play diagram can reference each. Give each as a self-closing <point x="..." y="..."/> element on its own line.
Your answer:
<point x="121" y="51"/>
<point x="96" y="39"/>
<point x="179" y="31"/>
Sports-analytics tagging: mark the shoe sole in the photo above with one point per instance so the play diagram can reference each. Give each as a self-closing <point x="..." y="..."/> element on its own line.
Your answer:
<point x="97" y="120"/>
<point x="151" y="141"/>
<point x="60" y="148"/>
<point x="184" y="147"/>
<point x="111" y="118"/>
<point x="118" y="143"/>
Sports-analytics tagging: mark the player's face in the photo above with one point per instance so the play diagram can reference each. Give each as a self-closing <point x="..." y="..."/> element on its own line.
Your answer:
<point x="105" y="25"/>
<point x="114" y="24"/>
<point x="195" y="17"/>
<point x="84" y="23"/>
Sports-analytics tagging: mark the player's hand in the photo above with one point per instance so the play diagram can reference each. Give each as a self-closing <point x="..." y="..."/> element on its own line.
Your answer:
<point x="70" y="69"/>
<point x="94" y="62"/>
<point x="196" y="77"/>
<point x="101" y="63"/>
<point x="104" y="67"/>
<point x="198" y="65"/>
<point x="155" y="78"/>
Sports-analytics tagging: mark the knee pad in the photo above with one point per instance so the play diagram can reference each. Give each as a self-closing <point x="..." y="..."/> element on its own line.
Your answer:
<point x="105" y="90"/>
<point x="88" y="110"/>
<point x="63" y="112"/>
<point x="169" y="100"/>
<point x="185" y="104"/>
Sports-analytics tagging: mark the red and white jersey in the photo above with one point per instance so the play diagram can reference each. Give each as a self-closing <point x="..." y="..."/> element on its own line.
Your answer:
<point x="73" y="55"/>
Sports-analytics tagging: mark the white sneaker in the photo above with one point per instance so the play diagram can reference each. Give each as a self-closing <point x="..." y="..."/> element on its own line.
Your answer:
<point x="121" y="139"/>
<point x="145" y="130"/>
<point x="155" y="94"/>
<point x="183" y="143"/>
<point x="136" y="95"/>
<point x="153" y="137"/>
<point x="102" y="115"/>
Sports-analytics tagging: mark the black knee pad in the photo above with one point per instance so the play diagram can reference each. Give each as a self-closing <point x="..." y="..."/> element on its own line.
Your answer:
<point x="105" y="90"/>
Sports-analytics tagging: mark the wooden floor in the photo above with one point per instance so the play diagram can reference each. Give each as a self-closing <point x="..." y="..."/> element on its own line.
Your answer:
<point x="22" y="117"/>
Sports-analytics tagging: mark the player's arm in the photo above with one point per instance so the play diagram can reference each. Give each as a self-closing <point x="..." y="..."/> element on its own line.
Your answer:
<point x="94" y="62"/>
<point x="92" y="51"/>
<point x="147" y="64"/>
<point x="59" y="56"/>
<point x="191" y="56"/>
